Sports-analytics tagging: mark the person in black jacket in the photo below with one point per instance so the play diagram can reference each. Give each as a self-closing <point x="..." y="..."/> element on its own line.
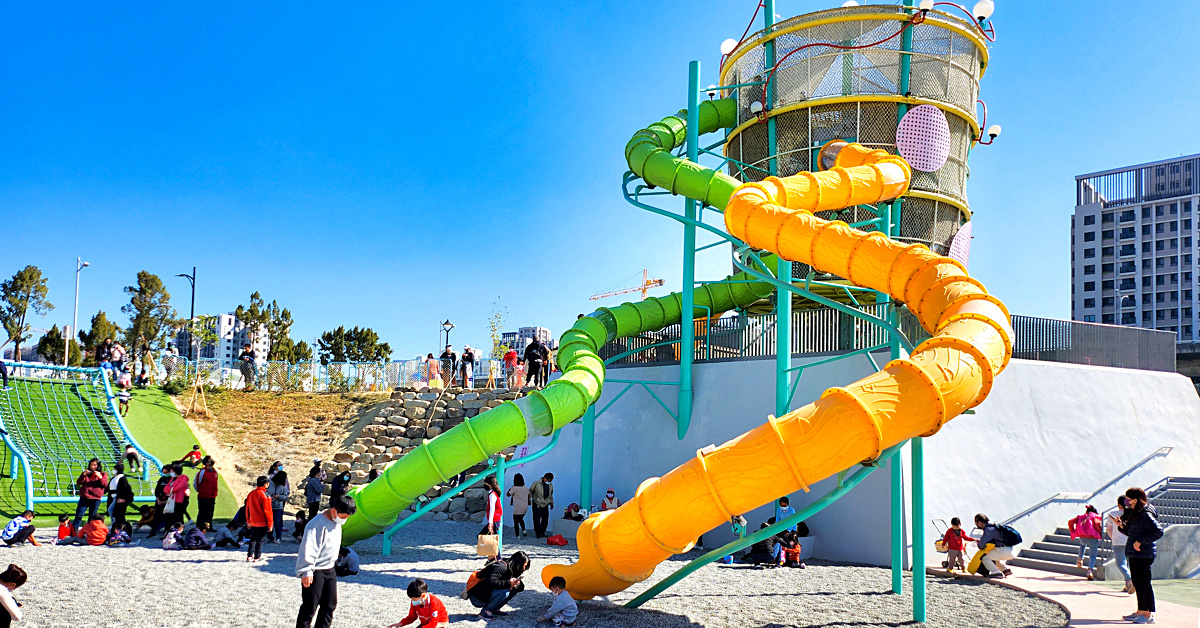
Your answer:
<point x="499" y="582"/>
<point x="765" y="552"/>
<point x="534" y="357"/>
<point x="1140" y="524"/>
<point x="120" y="494"/>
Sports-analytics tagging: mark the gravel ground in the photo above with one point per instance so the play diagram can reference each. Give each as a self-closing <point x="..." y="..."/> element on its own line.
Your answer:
<point x="148" y="587"/>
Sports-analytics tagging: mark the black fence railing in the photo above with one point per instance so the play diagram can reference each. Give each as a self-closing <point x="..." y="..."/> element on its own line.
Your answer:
<point x="826" y="331"/>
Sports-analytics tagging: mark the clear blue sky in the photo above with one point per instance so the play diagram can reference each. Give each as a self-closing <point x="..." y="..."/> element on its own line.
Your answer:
<point x="394" y="164"/>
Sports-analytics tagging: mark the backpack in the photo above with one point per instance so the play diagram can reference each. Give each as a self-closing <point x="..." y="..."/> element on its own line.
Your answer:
<point x="1009" y="535"/>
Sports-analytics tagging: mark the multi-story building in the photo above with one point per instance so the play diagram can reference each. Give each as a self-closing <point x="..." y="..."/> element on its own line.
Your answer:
<point x="232" y="335"/>
<point x="524" y="335"/>
<point x="1133" y="247"/>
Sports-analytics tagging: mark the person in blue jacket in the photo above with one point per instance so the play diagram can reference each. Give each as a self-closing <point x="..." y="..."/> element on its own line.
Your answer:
<point x="1140" y="524"/>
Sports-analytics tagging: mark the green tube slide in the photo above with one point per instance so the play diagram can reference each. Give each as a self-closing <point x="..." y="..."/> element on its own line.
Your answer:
<point x="565" y="399"/>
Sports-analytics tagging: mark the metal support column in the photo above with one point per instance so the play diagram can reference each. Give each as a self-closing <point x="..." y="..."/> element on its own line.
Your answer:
<point x="918" y="527"/>
<point x="587" y="452"/>
<point x="783" y="268"/>
<point x="687" y="325"/>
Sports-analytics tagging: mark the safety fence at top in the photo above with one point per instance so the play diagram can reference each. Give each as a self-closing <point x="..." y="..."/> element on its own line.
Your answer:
<point x="825" y="331"/>
<point x="316" y="377"/>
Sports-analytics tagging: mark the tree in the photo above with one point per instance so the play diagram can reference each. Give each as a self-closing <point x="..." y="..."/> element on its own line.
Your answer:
<point x="253" y="318"/>
<point x="151" y="318"/>
<point x="25" y="291"/>
<point x="204" y="333"/>
<point x="301" y="352"/>
<point x="496" y="324"/>
<point x="101" y="328"/>
<point x="50" y="347"/>
<point x="352" y="345"/>
<point x="279" y="327"/>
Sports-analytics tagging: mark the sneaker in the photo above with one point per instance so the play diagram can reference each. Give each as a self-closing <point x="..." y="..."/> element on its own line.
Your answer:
<point x="1079" y="564"/>
<point x="1142" y="619"/>
<point x="1090" y="575"/>
<point x="996" y="574"/>
<point x="487" y="615"/>
<point x="499" y="613"/>
<point x="1007" y="572"/>
<point x="1130" y="616"/>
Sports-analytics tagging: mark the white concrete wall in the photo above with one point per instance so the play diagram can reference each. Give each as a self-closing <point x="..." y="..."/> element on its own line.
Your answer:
<point x="1046" y="428"/>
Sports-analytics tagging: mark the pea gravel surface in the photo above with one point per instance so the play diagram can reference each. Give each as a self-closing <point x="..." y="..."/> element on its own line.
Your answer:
<point x="146" y="586"/>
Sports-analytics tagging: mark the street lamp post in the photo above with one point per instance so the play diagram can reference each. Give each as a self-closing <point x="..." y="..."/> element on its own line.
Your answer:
<point x="191" y="319"/>
<point x="79" y="265"/>
<point x="447" y="326"/>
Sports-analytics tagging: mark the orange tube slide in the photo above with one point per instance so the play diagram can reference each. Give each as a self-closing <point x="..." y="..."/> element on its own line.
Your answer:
<point x="945" y="375"/>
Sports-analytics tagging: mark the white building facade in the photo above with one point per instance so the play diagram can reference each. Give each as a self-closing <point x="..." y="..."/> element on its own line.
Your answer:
<point x="1133" y="247"/>
<point x="232" y="335"/>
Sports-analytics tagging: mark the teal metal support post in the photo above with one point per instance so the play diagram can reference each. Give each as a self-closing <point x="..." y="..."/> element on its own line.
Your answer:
<point x="918" y="528"/>
<point x="687" y="325"/>
<point x="587" y="453"/>
<point x="501" y="463"/>
<point x="897" y="474"/>
<point x="783" y="268"/>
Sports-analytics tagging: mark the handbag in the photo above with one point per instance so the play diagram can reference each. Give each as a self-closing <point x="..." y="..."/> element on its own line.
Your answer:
<point x="487" y="545"/>
<point x="169" y="507"/>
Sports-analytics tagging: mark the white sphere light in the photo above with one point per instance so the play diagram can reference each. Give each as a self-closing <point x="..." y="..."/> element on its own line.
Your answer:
<point x="983" y="9"/>
<point x="994" y="130"/>
<point x="925" y="5"/>
<point x="756" y="107"/>
<point x="850" y="3"/>
<point x="728" y="46"/>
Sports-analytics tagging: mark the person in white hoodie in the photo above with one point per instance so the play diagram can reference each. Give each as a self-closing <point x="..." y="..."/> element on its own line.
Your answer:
<point x="316" y="560"/>
<point x="1112" y="525"/>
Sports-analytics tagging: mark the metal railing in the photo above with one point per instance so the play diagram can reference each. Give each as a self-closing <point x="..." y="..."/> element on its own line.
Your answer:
<point x="824" y="330"/>
<point x="314" y="376"/>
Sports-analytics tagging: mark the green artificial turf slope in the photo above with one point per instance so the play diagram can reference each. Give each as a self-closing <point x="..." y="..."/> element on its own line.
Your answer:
<point x="158" y="428"/>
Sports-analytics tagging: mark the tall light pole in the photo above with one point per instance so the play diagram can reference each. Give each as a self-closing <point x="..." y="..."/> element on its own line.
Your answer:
<point x="447" y="326"/>
<point x="191" y="319"/>
<point x="79" y="265"/>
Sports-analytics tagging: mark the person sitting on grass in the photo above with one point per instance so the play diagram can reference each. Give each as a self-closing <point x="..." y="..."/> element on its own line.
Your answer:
<point x="228" y="536"/>
<point x="563" y="610"/>
<point x="423" y="607"/>
<point x="11" y="579"/>
<point x="19" y="530"/>
<point x="66" y="531"/>
<point x="174" y="537"/>
<point x="347" y="563"/>
<point x="499" y="582"/>
<point x="195" y="539"/>
<point x="191" y="458"/>
<point x="301" y="521"/>
<point x="143" y="379"/>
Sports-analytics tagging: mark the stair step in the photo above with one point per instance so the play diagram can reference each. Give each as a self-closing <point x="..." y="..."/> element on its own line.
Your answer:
<point x="1043" y="565"/>
<point x="1055" y="547"/>
<point x="1053" y="557"/>
<point x="1061" y="539"/>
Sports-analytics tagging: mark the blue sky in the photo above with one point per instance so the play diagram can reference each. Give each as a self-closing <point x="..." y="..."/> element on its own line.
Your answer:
<point x="395" y="164"/>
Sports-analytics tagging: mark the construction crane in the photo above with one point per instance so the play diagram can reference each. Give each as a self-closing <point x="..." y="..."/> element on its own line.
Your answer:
<point x="647" y="284"/>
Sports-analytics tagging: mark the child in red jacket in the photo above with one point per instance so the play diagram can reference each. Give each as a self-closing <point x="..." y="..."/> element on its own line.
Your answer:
<point x="955" y="550"/>
<point x="424" y="608"/>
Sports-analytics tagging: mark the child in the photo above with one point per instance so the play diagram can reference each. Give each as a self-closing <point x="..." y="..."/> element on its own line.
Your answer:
<point x="954" y="537"/>
<point x="783" y="510"/>
<point x="791" y="550"/>
<point x="66" y="531"/>
<point x="191" y="458"/>
<point x="563" y="610"/>
<point x="195" y="539"/>
<point x="131" y="457"/>
<point x="347" y="563"/>
<point x="146" y="517"/>
<point x="173" y="537"/>
<point x="12" y="578"/>
<point x="120" y="535"/>
<point x="123" y="396"/>
<point x="19" y="530"/>
<point x="94" y="532"/>
<point x="424" y="607"/>
<point x="227" y="536"/>
<point x="301" y="521"/>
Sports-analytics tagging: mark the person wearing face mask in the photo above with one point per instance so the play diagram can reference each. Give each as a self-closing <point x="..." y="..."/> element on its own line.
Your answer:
<point x="610" y="501"/>
<point x="424" y="608"/>
<point x="315" y="561"/>
<point x="543" y="502"/>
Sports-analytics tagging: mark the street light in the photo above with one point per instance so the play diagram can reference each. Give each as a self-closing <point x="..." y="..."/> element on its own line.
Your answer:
<point x="447" y="326"/>
<point x="79" y="265"/>
<point x="192" y="280"/>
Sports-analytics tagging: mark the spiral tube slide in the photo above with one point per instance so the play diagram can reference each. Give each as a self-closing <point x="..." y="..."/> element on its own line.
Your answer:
<point x="945" y="375"/>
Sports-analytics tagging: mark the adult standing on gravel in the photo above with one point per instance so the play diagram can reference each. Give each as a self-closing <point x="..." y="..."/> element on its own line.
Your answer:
<point x="279" y="490"/>
<point x="178" y="491"/>
<point x="543" y="502"/>
<point x="91" y="484"/>
<point x="120" y="494"/>
<point x="314" y="488"/>
<point x="1142" y="527"/>
<point x="315" y="563"/>
<point x="259" y="518"/>
<point x="207" y="486"/>
<point x="518" y="495"/>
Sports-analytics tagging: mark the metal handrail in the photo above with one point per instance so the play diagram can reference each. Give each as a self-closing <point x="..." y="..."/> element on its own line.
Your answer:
<point x="1083" y="496"/>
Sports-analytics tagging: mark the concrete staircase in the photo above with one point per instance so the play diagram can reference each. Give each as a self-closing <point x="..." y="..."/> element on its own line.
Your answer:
<point x="1057" y="552"/>
<point x="1177" y="500"/>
